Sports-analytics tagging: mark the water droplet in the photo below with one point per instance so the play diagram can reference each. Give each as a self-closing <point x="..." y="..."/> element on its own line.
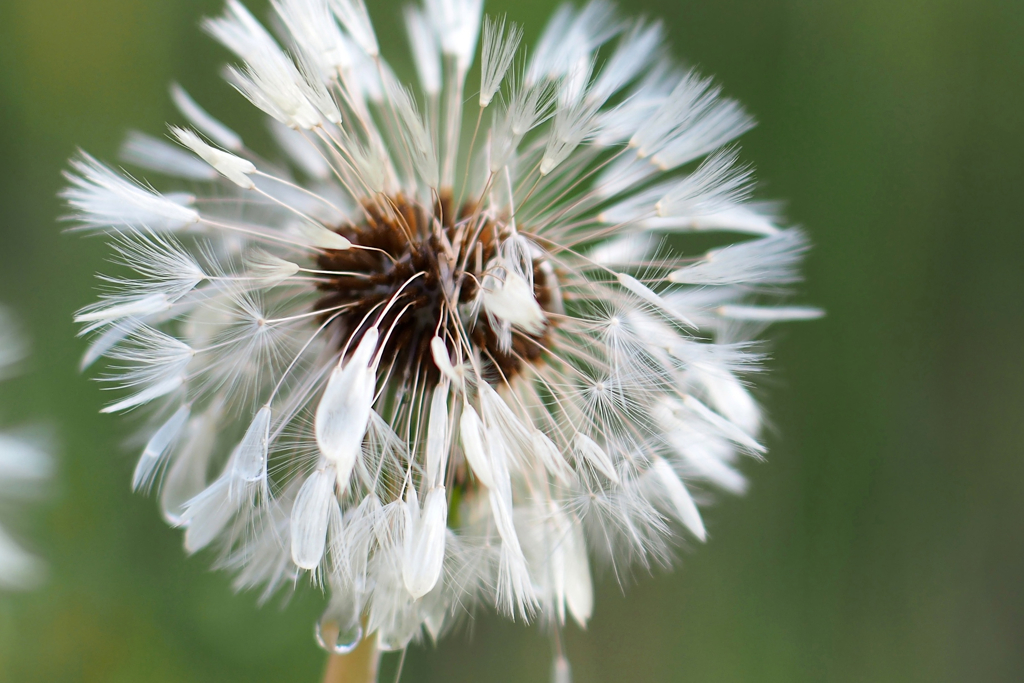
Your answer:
<point x="335" y="638"/>
<point x="396" y="636"/>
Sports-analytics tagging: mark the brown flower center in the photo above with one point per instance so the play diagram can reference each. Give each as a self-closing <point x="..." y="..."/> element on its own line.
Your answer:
<point x="414" y="260"/>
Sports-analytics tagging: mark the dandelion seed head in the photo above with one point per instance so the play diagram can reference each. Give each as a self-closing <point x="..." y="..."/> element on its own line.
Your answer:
<point x="25" y="467"/>
<point x="430" y="371"/>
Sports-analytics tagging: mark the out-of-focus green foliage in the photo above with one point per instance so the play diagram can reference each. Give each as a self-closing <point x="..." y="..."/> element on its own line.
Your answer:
<point x="883" y="540"/>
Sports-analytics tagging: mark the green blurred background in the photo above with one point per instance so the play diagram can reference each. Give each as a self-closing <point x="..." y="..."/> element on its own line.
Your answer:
<point x="883" y="540"/>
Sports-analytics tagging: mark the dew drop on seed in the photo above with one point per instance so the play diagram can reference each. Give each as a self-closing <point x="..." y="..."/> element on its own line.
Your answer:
<point x="334" y="638"/>
<point x="397" y="636"/>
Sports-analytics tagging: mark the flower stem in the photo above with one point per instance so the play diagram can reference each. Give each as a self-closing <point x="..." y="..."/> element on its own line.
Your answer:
<point x="358" y="666"/>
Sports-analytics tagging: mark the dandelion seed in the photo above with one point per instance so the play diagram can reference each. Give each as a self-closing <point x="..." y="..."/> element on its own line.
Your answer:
<point x="498" y="51"/>
<point x="228" y="165"/>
